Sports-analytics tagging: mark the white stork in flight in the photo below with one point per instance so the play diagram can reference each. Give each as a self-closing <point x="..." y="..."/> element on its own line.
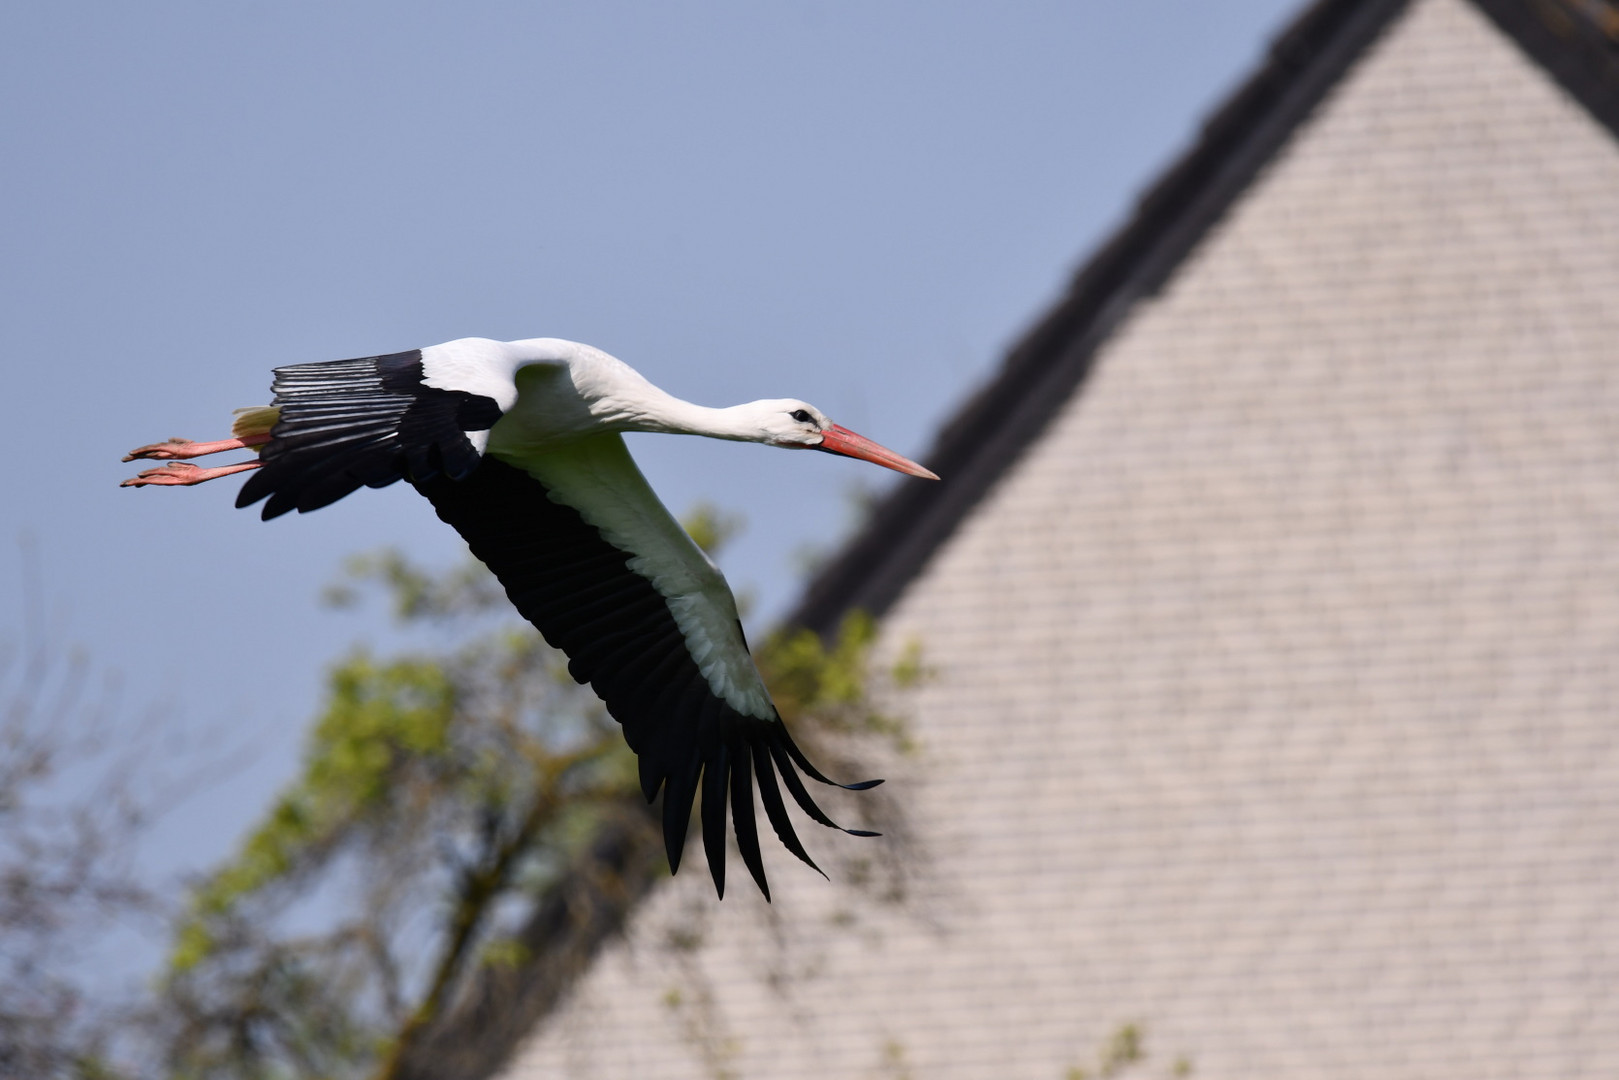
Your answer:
<point x="517" y="445"/>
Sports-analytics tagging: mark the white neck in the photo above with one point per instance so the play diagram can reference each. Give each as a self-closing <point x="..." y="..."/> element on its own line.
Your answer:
<point x="670" y="415"/>
<point x="619" y="398"/>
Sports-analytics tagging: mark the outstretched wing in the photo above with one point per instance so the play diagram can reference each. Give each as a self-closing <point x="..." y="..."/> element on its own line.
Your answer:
<point x="589" y="555"/>
<point x="368" y="421"/>
<point x="586" y="552"/>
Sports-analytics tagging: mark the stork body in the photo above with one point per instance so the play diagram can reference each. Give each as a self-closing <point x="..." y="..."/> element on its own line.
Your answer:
<point x="518" y="447"/>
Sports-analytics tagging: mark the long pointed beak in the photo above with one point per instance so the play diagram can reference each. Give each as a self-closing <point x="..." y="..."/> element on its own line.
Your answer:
<point x="840" y="440"/>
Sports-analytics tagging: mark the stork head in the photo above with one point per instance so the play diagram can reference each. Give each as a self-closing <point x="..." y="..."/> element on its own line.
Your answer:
<point x="798" y="425"/>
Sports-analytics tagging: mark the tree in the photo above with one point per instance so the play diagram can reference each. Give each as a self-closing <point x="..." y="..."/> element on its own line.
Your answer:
<point x="467" y="831"/>
<point x="68" y="818"/>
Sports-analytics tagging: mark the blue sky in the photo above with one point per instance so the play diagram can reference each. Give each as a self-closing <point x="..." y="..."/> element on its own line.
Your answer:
<point x="858" y="204"/>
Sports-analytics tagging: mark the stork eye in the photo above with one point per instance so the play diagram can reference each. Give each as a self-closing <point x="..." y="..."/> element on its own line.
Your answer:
<point x="801" y="416"/>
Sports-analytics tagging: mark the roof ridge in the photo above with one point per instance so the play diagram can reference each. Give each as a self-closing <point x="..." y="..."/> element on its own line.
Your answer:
<point x="1575" y="41"/>
<point x="1041" y="372"/>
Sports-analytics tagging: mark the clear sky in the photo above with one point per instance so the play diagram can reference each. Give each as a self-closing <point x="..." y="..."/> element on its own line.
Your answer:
<point x="859" y="204"/>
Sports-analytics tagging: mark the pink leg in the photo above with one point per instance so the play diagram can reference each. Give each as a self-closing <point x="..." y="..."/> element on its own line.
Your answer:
<point x="179" y="449"/>
<point x="179" y="474"/>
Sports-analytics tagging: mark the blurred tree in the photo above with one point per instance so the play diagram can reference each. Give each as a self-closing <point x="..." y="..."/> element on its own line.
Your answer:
<point x="68" y="821"/>
<point x="474" y="818"/>
<point x="1125" y="1054"/>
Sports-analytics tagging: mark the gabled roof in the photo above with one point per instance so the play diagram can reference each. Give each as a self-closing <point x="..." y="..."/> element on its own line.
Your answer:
<point x="1576" y="41"/>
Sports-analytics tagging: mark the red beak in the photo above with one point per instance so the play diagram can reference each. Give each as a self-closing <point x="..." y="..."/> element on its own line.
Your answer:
<point x="840" y="440"/>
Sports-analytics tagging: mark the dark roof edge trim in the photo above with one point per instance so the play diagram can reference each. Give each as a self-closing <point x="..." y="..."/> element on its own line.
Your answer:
<point x="1564" y="39"/>
<point x="1041" y="372"/>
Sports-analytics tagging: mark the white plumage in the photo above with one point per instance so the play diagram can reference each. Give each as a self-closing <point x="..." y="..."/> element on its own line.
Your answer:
<point x="518" y="446"/>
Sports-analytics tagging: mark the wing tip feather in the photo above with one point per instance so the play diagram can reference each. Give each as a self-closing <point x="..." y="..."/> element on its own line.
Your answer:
<point x="687" y="739"/>
<point x="752" y="754"/>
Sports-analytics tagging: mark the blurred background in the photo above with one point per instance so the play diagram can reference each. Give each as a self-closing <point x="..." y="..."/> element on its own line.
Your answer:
<point x="865" y="206"/>
<point x="853" y="205"/>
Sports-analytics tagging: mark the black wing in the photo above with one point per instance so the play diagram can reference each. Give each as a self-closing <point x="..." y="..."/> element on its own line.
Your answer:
<point x="622" y="638"/>
<point x="366" y="421"/>
<point x="370" y="421"/>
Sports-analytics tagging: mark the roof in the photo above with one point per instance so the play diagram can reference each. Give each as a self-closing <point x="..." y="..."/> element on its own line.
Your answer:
<point x="1269" y="695"/>
<point x="1572" y="40"/>
<point x="1576" y="41"/>
<point x="1270" y="688"/>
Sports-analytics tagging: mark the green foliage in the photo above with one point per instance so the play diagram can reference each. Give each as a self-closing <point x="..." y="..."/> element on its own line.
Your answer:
<point x="444" y="799"/>
<point x="382" y="723"/>
<point x="506" y="952"/>
<point x="1124" y="1050"/>
<point x="432" y="785"/>
<point x="832" y="684"/>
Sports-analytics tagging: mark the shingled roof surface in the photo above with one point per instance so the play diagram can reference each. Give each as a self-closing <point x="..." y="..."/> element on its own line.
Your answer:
<point x="1577" y="41"/>
<point x="1272" y="605"/>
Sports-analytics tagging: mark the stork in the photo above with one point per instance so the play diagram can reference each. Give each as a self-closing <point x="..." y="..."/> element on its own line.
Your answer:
<point x="518" y="447"/>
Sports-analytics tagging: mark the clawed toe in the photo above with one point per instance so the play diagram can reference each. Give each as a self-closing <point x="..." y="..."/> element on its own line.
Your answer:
<point x="179" y="449"/>
<point x="179" y="474"/>
<point x="162" y="451"/>
<point x="174" y="472"/>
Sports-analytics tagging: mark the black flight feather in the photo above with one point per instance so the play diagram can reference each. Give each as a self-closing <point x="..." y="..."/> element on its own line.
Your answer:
<point x="623" y="640"/>
<point x="366" y="422"/>
<point x="747" y="833"/>
<point x="715" y="775"/>
<point x="776" y="810"/>
<point x="370" y="422"/>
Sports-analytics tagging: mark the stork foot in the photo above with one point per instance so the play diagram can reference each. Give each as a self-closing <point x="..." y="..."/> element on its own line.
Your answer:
<point x="180" y="449"/>
<point x="179" y="474"/>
